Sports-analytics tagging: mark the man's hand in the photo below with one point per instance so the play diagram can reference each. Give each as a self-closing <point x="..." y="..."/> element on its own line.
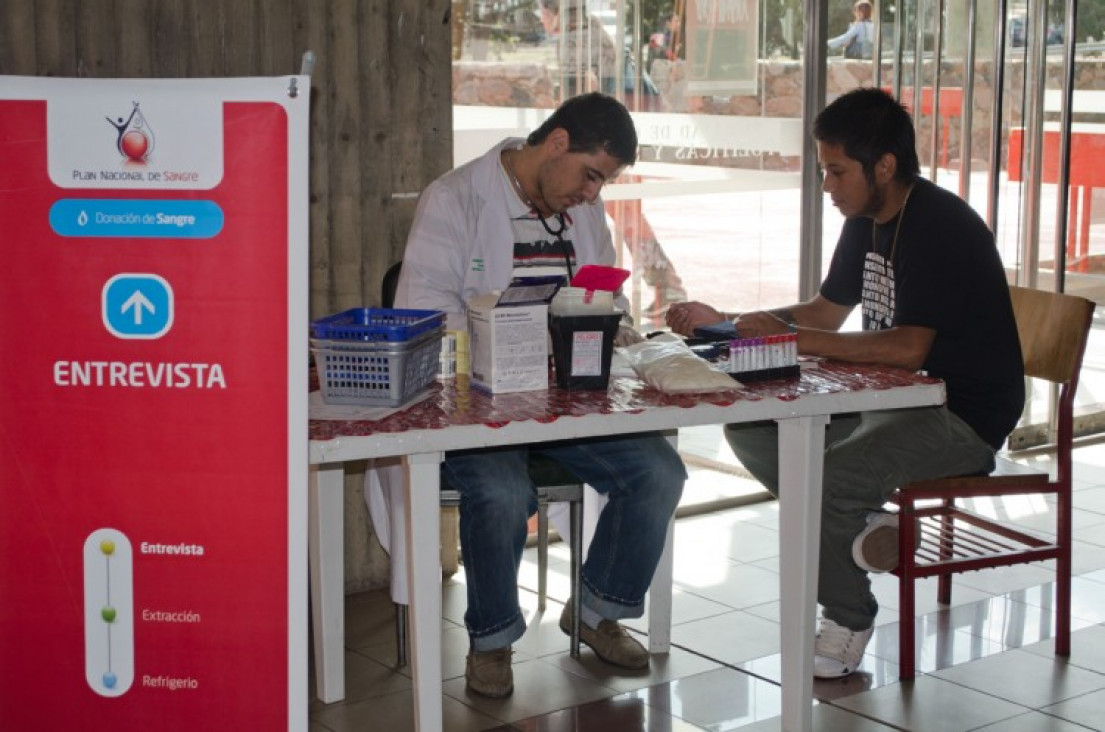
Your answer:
<point x="759" y="323"/>
<point x="626" y="336"/>
<point x="684" y="317"/>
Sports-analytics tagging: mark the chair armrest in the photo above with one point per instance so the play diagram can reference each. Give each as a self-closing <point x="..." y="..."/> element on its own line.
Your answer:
<point x="1008" y="478"/>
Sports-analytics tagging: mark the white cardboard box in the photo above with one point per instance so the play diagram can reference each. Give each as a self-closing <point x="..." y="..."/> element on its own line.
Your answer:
<point x="509" y="346"/>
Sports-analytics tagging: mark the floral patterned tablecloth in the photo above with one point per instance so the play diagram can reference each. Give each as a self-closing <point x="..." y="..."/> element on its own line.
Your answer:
<point x="453" y="402"/>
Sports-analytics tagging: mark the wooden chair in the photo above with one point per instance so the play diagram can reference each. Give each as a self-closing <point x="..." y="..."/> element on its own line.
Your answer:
<point x="1053" y="330"/>
<point x="553" y="483"/>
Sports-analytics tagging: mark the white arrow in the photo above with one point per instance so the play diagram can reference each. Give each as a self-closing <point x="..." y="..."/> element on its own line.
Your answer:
<point x="137" y="301"/>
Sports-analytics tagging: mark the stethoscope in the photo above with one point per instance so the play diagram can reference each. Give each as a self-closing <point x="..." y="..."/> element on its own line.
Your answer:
<point x="559" y="234"/>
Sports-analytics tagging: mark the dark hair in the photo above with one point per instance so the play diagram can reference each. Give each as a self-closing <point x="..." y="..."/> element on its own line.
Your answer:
<point x="593" y="122"/>
<point x="868" y="123"/>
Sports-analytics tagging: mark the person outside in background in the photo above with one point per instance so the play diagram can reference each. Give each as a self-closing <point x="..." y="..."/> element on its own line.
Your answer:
<point x="532" y="207"/>
<point x="657" y="49"/>
<point x="673" y="42"/>
<point x="665" y="44"/>
<point x="591" y="56"/>
<point x="591" y="52"/>
<point x="859" y="40"/>
<point x="927" y="275"/>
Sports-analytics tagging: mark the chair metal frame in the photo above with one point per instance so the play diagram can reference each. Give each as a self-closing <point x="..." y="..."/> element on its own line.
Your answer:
<point x="938" y="537"/>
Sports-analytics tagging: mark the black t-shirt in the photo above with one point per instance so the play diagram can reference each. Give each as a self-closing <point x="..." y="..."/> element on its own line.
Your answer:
<point x="941" y="271"/>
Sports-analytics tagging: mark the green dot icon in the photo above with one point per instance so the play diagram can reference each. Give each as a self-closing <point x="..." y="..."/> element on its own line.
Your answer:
<point x="108" y="614"/>
<point x="107" y="547"/>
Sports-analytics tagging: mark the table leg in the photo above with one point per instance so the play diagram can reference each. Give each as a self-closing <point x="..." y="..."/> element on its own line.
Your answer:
<point x="659" y="598"/>
<point x="325" y="511"/>
<point x="801" y="457"/>
<point x="1084" y="229"/>
<point x="947" y="128"/>
<point x="424" y="581"/>
<point x="659" y="595"/>
<point x="1073" y="224"/>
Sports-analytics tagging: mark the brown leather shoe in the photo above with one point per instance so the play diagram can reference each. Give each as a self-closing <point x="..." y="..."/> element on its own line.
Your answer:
<point x="610" y="641"/>
<point x="489" y="673"/>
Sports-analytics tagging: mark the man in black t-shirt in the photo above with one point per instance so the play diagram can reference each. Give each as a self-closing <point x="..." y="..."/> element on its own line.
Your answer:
<point x="924" y="269"/>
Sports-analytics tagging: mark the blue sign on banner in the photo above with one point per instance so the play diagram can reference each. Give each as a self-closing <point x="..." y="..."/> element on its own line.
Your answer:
<point x="137" y="306"/>
<point x="151" y="218"/>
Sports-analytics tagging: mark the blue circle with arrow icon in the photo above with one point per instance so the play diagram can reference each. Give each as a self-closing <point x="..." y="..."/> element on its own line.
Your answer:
<point x="137" y="306"/>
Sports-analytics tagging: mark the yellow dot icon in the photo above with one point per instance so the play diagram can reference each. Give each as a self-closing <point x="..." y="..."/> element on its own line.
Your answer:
<point x="107" y="547"/>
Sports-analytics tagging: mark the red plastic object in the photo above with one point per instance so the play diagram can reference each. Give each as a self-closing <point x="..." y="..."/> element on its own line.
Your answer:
<point x="600" y="277"/>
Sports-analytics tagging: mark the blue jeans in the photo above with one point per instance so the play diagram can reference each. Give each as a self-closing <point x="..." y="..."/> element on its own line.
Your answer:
<point x="867" y="456"/>
<point x="642" y="476"/>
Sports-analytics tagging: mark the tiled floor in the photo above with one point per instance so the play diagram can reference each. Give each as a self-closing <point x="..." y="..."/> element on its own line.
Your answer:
<point x="986" y="662"/>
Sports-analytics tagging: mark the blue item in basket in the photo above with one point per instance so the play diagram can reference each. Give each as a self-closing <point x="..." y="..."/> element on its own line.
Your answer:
<point x="377" y="324"/>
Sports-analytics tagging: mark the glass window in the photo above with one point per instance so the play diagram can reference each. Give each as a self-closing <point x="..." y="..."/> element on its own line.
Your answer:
<point x="710" y="211"/>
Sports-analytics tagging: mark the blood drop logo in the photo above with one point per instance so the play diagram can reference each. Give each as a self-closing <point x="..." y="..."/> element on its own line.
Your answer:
<point x="134" y="139"/>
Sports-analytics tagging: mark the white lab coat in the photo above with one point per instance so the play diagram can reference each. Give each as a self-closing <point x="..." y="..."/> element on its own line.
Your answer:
<point x="461" y="242"/>
<point x="461" y="245"/>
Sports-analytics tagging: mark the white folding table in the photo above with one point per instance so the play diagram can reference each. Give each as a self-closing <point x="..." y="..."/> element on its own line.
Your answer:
<point x="456" y="418"/>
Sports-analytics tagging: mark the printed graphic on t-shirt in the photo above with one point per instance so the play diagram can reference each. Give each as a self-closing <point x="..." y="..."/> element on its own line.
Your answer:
<point x="878" y="292"/>
<point x="536" y="252"/>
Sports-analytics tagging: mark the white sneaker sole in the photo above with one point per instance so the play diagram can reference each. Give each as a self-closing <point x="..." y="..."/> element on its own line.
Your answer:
<point x="875" y="549"/>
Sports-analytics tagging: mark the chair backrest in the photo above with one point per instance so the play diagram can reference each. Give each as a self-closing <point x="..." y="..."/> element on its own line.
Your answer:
<point x="389" y="284"/>
<point x="1053" y="329"/>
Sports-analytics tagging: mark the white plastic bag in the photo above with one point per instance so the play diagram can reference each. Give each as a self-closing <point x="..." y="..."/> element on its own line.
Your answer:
<point x="666" y="363"/>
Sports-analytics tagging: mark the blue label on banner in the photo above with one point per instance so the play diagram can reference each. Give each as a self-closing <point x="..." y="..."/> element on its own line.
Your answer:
<point x="137" y="306"/>
<point x="158" y="218"/>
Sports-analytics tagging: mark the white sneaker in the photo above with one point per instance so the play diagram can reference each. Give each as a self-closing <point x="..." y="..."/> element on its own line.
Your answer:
<point x="875" y="549"/>
<point x="837" y="650"/>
